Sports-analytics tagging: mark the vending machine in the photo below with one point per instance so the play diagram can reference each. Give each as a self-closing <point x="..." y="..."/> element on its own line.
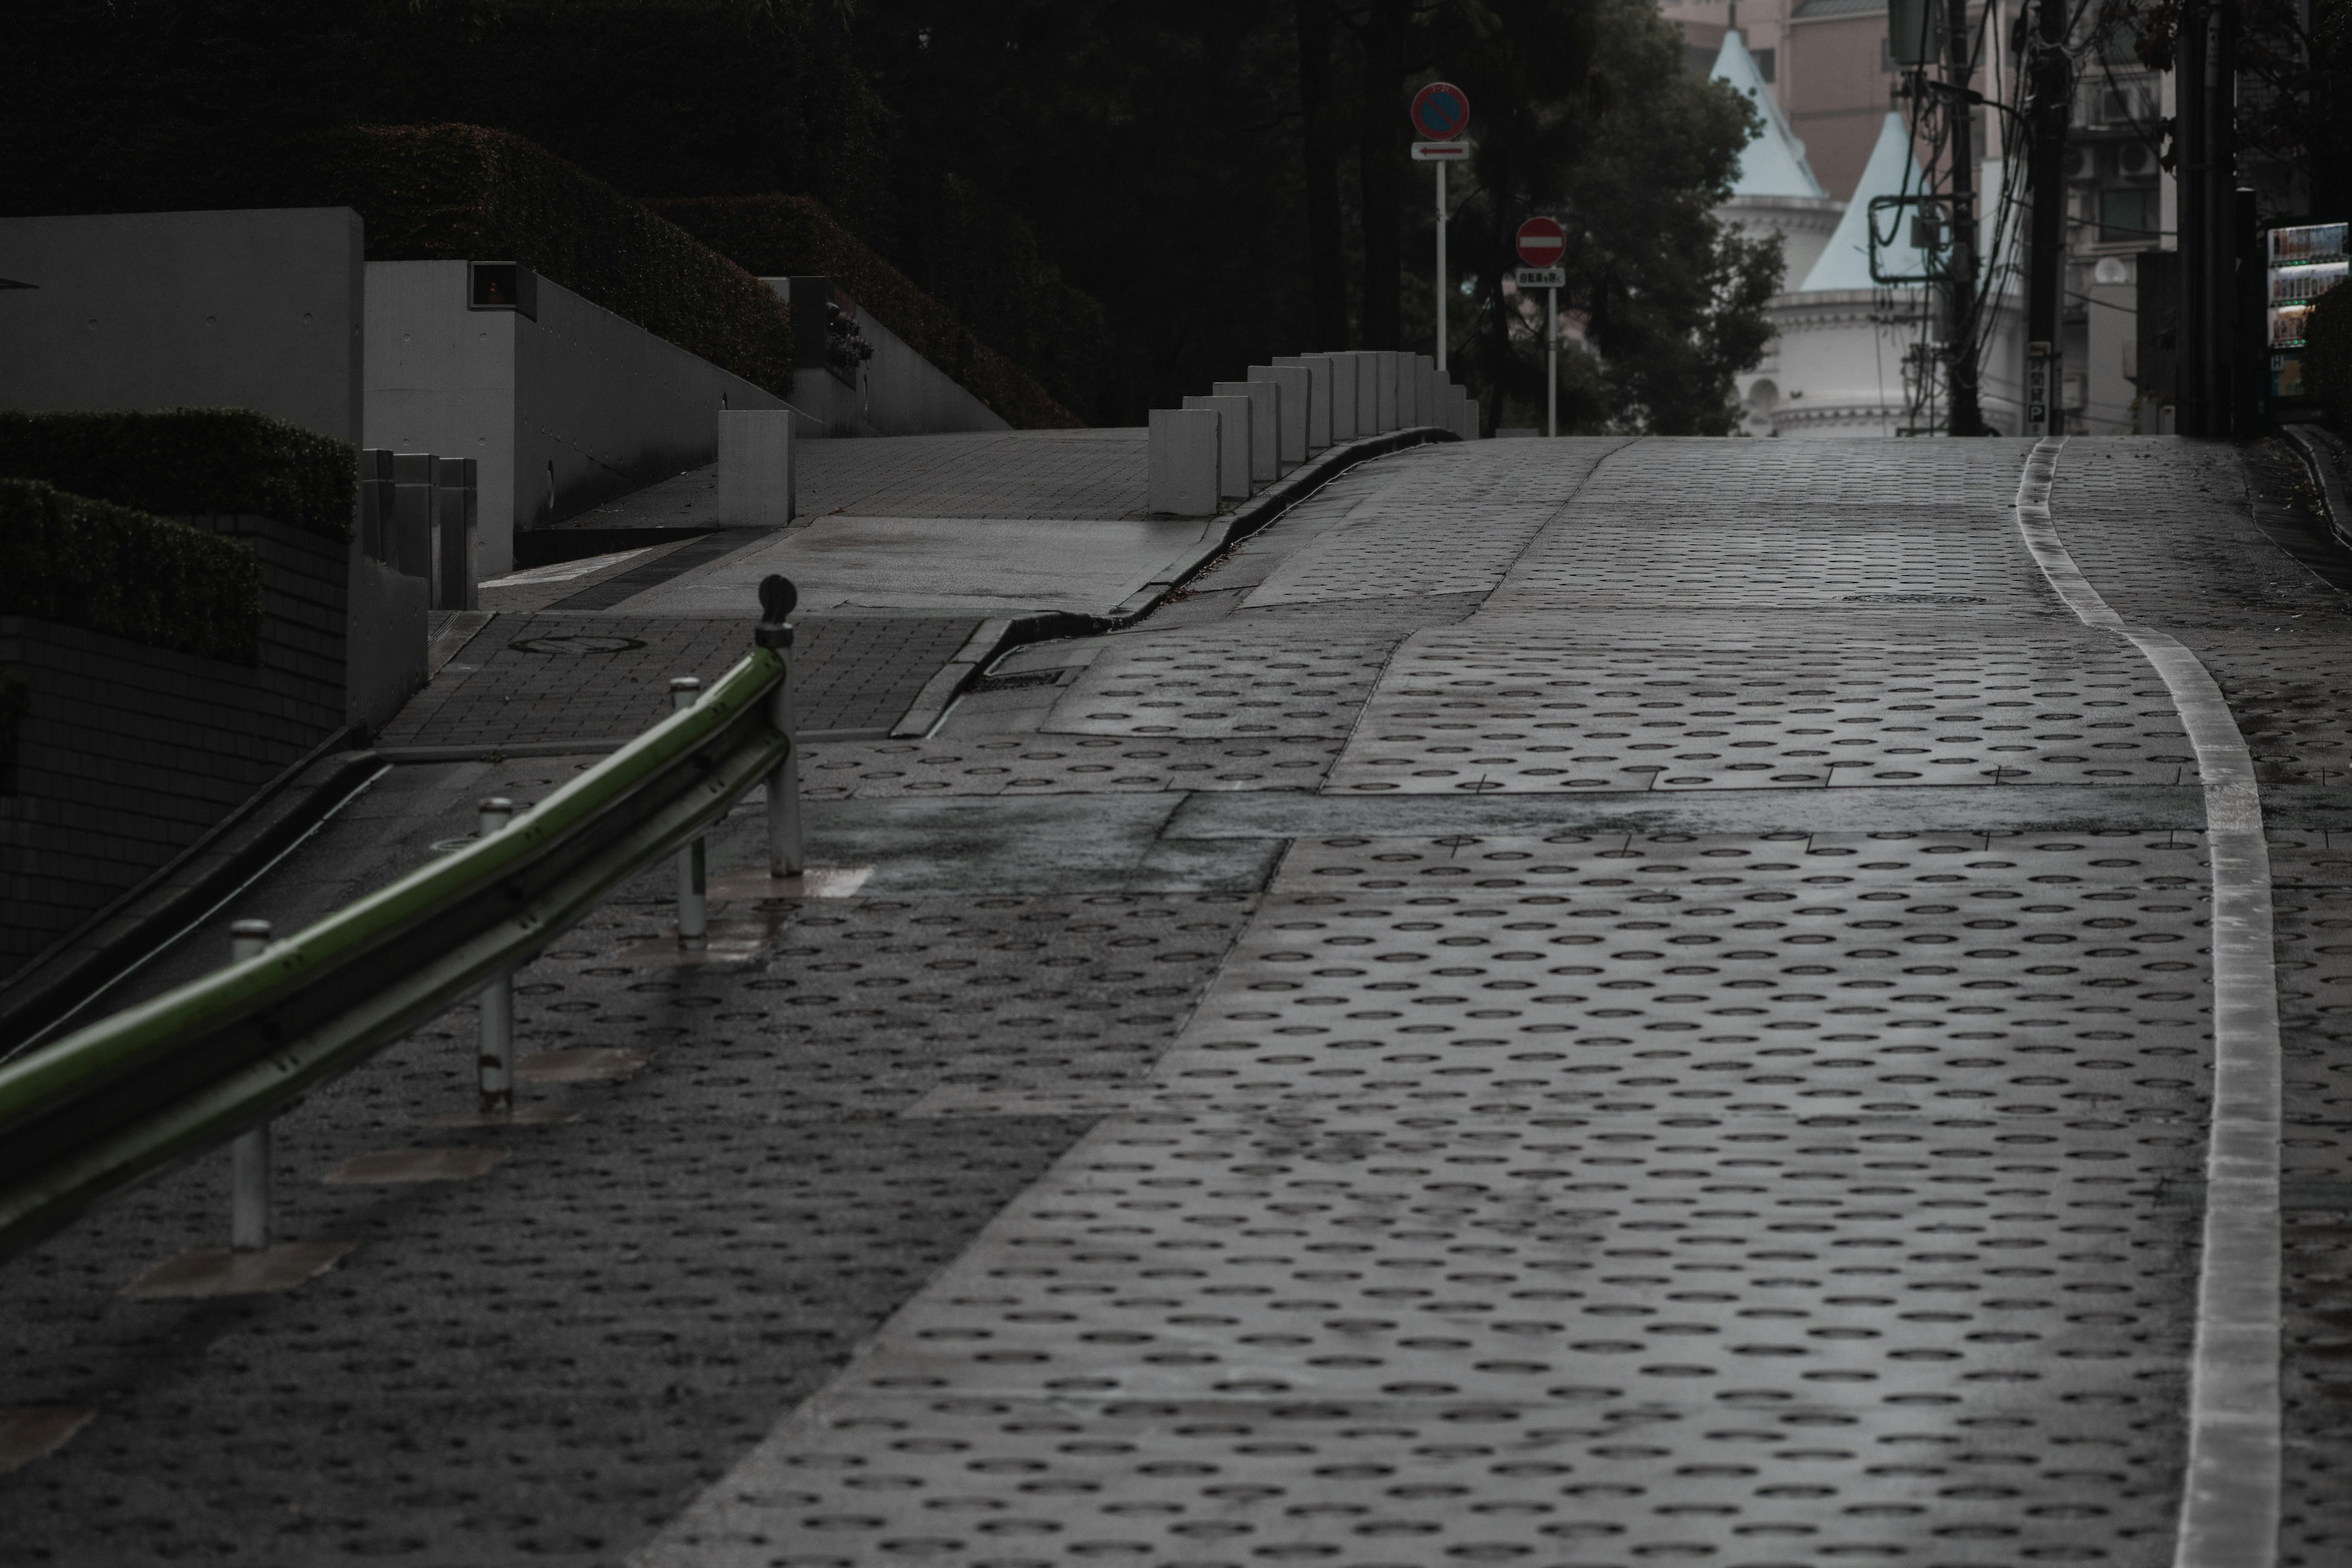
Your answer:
<point x="2304" y="263"/>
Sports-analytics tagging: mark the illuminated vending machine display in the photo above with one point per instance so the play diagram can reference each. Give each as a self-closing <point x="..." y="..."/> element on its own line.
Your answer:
<point x="2304" y="263"/>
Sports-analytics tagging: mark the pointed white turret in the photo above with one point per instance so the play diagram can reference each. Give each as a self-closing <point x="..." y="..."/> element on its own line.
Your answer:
<point x="1844" y="262"/>
<point x="1773" y="163"/>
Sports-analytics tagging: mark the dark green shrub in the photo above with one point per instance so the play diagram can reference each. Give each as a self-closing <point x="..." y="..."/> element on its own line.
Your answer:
<point x="467" y="193"/>
<point x="188" y="462"/>
<point x="2327" y="357"/>
<point x="106" y="568"/>
<point x="780" y="236"/>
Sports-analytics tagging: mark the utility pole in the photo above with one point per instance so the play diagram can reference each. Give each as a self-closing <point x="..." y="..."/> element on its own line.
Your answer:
<point x="2191" y="160"/>
<point x="1961" y="274"/>
<point x="2045" y="274"/>
<point x="2221" y="324"/>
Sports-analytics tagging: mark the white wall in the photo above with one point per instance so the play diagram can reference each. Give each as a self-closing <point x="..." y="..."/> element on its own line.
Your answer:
<point x="1839" y="355"/>
<point x="899" y="391"/>
<point x="597" y="401"/>
<point x="254" y="309"/>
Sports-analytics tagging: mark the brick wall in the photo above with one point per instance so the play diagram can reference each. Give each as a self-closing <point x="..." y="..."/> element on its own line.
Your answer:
<point x="127" y="753"/>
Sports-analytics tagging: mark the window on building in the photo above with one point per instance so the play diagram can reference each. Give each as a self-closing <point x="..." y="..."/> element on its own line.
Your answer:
<point x="2127" y="216"/>
<point x="1764" y="62"/>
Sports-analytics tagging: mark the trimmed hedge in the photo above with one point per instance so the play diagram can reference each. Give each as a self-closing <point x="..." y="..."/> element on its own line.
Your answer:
<point x="2327" y="356"/>
<point x="106" y="568"/>
<point x="467" y="193"/>
<point x="188" y="462"/>
<point x="780" y="236"/>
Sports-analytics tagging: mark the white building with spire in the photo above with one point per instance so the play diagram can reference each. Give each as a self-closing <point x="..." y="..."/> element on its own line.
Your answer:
<point x="1850" y="353"/>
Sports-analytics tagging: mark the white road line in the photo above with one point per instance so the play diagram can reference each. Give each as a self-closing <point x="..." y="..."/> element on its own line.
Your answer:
<point x="562" y="571"/>
<point x="2229" y="1495"/>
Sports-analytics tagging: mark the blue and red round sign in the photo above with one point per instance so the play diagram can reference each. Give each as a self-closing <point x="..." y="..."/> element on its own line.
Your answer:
<point x="1441" y="112"/>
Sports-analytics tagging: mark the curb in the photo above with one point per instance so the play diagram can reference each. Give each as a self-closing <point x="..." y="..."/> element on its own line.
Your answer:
<point x="2313" y="444"/>
<point x="118" y="941"/>
<point x="995" y="639"/>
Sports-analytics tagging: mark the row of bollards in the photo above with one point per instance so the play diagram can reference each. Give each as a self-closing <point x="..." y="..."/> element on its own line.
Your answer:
<point x="250" y="1153"/>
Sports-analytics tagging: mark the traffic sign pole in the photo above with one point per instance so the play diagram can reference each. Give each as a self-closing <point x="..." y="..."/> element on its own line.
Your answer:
<point x="1441" y="112"/>
<point x="1551" y="365"/>
<point x="1542" y="244"/>
<point x="1441" y="334"/>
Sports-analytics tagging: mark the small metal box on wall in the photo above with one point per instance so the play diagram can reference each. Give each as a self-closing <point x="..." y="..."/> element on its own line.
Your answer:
<point x="502" y="286"/>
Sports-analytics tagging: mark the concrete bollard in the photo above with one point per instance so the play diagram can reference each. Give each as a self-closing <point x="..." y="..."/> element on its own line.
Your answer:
<point x="1232" y="443"/>
<point x="1368" y="391"/>
<point x="1291" y="410"/>
<point x="494" y="1058"/>
<point x="1344" y="405"/>
<point x="1319" y="395"/>
<point x="1384" y="366"/>
<point x="249" y="1157"/>
<point x="1183" y="469"/>
<point x="777" y="597"/>
<point x="1408" y="391"/>
<point x="1265" y="426"/>
<point x="693" y="876"/>
<point x="756" y="477"/>
<point x="409" y="539"/>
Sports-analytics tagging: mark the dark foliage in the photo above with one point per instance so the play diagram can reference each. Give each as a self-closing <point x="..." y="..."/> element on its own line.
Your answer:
<point x="106" y="568"/>
<point x="2327" y="357"/>
<point x="188" y="462"/>
<point x="461" y="191"/>
<point x="774" y="235"/>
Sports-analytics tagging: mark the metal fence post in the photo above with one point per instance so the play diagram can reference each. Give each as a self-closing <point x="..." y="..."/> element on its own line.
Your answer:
<point x="693" y="906"/>
<point x="777" y="597"/>
<point x="496" y="1058"/>
<point x="248" y="1159"/>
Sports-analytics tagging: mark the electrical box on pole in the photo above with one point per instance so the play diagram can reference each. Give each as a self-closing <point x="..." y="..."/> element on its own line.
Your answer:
<point x="1915" y="32"/>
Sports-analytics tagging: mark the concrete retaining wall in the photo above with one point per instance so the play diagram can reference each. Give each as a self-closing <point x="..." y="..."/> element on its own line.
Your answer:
<point x="127" y="753"/>
<point x="896" y="393"/>
<point x="256" y="309"/>
<point x="562" y="412"/>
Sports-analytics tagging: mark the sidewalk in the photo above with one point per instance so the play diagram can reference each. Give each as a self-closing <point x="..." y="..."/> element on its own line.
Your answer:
<point x="1579" y="1002"/>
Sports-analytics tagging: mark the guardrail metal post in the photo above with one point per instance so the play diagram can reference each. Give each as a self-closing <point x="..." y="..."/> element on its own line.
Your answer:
<point x="495" y="1060"/>
<point x="693" y="906"/>
<point x="248" y="1159"/>
<point x="777" y="597"/>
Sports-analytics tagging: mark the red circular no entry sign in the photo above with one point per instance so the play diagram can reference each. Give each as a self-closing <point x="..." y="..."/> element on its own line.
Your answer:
<point x="1441" y="111"/>
<point x="1540" y="241"/>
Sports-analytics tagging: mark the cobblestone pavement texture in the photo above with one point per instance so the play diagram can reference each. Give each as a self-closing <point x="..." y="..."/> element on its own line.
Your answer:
<point x="556" y="677"/>
<point x="1581" y="1003"/>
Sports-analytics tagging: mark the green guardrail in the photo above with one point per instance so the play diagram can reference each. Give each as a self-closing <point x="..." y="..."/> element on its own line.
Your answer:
<point x="128" y="1096"/>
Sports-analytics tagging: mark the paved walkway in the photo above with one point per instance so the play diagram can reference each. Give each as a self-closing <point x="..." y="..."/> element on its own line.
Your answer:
<point x="1578" y="1003"/>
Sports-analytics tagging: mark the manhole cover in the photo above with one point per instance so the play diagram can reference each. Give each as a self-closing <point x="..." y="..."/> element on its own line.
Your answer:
<point x="1915" y="598"/>
<point x="577" y="645"/>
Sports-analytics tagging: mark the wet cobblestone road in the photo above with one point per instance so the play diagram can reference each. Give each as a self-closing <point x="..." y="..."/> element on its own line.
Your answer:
<point x="1572" y="1003"/>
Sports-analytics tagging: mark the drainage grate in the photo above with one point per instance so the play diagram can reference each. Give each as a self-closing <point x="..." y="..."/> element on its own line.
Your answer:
<point x="1914" y="599"/>
<point x="1018" y="680"/>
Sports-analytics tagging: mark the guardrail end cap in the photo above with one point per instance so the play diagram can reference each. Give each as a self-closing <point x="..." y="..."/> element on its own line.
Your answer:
<point x="777" y="597"/>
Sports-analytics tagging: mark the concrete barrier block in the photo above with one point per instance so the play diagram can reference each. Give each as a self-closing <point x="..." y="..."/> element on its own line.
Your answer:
<point x="1294" y="406"/>
<point x="1344" y="405"/>
<point x="1424" y="372"/>
<point x="1184" y="467"/>
<point x="755" y="468"/>
<point x="1266" y="425"/>
<point x="1318" y="396"/>
<point x="1382" y="364"/>
<point x="1408" y="406"/>
<point x="1233" y="422"/>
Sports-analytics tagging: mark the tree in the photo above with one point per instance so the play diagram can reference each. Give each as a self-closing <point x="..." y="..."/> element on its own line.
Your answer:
<point x="1585" y="109"/>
